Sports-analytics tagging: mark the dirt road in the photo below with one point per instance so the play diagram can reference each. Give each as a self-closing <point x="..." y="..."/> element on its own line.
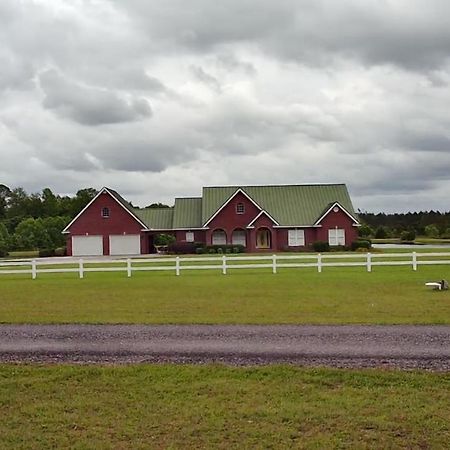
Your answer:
<point x="406" y="347"/>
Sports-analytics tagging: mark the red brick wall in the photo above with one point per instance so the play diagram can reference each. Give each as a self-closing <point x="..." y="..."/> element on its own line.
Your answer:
<point x="91" y="222"/>
<point x="228" y="220"/>
<point x="340" y="220"/>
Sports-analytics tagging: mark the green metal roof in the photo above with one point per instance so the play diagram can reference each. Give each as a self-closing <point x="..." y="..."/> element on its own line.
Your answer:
<point x="289" y="205"/>
<point x="156" y="218"/>
<point x="187" y="213"/>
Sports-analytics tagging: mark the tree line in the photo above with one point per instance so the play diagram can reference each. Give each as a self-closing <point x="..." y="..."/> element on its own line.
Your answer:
<point x="433" y="224"/>
<point x="35" y="221"/>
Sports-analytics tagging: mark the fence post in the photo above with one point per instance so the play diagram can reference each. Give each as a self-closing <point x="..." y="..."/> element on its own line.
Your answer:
<point x="177" y="265"/>
<point x="414" y="261"/>
<point x="33" y="269"/>
<point x="369" y="262"/>
<point x="224" y="264"/>
<point x="319" y="262"/>
<point x="129" y="267"/>
<point x="274" y="263"/>
<point x="80" y="268"/>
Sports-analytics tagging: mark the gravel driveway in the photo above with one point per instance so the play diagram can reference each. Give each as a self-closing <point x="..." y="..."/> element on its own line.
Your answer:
<point x="406" y="347"/>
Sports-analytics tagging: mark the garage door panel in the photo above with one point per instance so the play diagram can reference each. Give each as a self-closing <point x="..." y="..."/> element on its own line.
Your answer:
<point x="129" y="244"/>
<point x="87" y="245"/>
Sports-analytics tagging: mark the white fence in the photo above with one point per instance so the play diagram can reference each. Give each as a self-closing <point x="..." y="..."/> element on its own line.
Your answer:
<point x="223" y="263"/>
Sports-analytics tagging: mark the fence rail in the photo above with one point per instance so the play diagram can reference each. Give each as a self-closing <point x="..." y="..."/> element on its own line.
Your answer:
<point x="223" y="263"/>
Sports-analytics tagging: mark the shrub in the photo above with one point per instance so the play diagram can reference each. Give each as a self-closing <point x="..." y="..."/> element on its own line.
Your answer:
<point x="432" y="231"/>
<point x="46" y="252"/>
<point x="3" y="253"/>
<point x="182" y="247"/>
<point x="408" y="235"/>
<point x="321" y="246"/>
<point x="163" y="239"/>
<point x="200" y="250"/>
<point x="61" y="251"/>
<point x="361" y="243"/>
<point x="365" y="231"/>
<point x="225" y="248"/>
<point x="381" y="233"/>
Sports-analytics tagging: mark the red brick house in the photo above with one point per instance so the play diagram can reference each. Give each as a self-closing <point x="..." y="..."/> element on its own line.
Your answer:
<point x="261" y="218"/>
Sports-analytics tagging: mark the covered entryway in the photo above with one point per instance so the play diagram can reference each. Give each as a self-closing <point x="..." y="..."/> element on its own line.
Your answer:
<point x="87" y="245"/>
<point x="263" y="238"/>
<point x="129" y="244"/>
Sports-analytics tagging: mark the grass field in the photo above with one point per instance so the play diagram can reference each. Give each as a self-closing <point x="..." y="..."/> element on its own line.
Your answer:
<point x="218" y="407"/>
<point x="388" y="295"/>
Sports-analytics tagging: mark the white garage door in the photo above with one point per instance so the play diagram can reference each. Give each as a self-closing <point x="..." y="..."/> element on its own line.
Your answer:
<point x="129" y="244"/>
<point x="87" y="245"/>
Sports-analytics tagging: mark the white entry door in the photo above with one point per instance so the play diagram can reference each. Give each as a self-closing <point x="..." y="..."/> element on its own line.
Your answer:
<point x="87" y="245"/>
<point x="129" y="244"/>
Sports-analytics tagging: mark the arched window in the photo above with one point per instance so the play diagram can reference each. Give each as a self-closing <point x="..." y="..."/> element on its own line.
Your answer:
<point x="219" y="237"/>
<point x="239" y="237"/>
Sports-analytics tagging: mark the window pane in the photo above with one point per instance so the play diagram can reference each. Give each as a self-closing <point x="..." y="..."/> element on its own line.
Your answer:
<point x="219" y="237"/>
<point x="189" y="236"/>
<point x="239" y="237"/>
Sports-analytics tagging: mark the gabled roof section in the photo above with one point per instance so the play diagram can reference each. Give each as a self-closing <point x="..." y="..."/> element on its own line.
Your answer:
<point x="250" y="225"/>
<point x="156" y="218"/>
<point x="234" y="191"/>
<point x="116" y="196"/>
<point x="187" y="213"/>
<point x="330" y="207"/>
<point x="289" y="205"/>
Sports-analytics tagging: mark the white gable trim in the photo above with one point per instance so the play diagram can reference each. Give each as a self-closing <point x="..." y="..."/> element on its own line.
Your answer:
<point x="250" y="225"/>
<point x="331" y="208"/>
<point x="102" y="191"/>
<point x="228" y="201"/>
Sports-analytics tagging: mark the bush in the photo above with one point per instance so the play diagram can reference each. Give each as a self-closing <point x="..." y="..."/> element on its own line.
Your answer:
<point x="182" y="247"/>
<point x="321" y="246"/>
<point x="200" y="250"/>
<point x="382" y="233"/>
<point x="163" y="239"/>
<point x="408" y="235"/>
<point x="360" y="243"/>
<point x="61" y="251"/>
<point x="3" y="253"/>
<point x="225" y="248"/>
<point x="46" y="252"/>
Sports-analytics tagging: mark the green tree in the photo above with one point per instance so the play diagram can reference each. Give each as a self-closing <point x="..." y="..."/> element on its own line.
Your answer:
<point x="49" y="203"/>
<point x="365" y="231"/>
<point x="5" y="241"/>
<point x="432" y="231"/>
<point x="31" y="234"/>
<point x="81" y="199"/>
<point x="4" y="195"/>
<point x="53" y="227"/>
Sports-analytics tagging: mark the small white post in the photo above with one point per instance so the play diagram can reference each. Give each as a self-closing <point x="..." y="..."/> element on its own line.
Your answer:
<point x="274" y="263"/>
<point x="129" y="267"/>
<point x="80" y="268"/>
<point x="369" y="262"/>
<point x="319" y="262"/>
<point x="224" y="264"/>
<point x="177" y="265"/>
<point x="414" y="261"/>
<point x="33" y="269"/>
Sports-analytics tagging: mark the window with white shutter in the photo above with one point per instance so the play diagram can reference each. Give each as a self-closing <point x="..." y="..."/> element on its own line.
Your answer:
<point x="296" y="238"/>
<point x="336" y="236"/>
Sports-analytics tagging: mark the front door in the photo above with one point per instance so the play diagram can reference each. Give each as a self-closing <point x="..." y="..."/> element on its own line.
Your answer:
<point x="263" y="238"/>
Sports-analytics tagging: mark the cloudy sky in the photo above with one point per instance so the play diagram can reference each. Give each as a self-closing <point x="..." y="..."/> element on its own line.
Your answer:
<point x="159" y="98"/>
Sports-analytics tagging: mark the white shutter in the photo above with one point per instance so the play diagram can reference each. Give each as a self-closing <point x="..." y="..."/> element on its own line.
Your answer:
<point x="296" y="238"/>
<point x="336" y="236"/>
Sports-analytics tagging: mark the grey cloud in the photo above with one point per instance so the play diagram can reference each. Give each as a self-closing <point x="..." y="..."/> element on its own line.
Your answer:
<point x="206" y="78"/>
<point x="87" y="105"/>
<point x="415" y="36"/>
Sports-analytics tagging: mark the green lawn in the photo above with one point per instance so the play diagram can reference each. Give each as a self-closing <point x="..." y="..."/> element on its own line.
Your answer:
<point x="171" y="406"/>
<point x="337" y="295"/>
